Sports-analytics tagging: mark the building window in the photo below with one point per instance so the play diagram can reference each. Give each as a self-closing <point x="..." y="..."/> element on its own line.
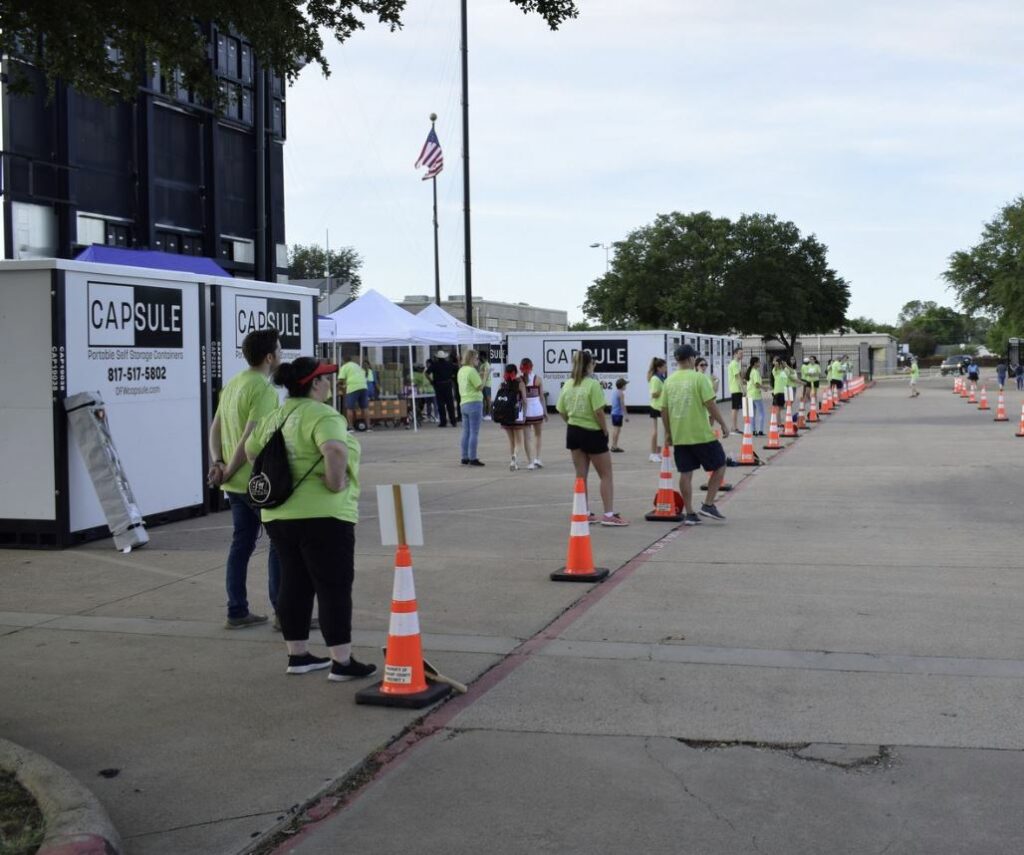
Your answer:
<point x="277" y="119"/>
<point x="222" y="53"/>
<point x="247" y="106"/>
<point x="246" y="64"/>
<point x="233" y="54"/>
<point x="117" y="235"/>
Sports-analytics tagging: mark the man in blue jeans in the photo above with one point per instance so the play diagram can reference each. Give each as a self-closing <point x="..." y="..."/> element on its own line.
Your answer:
<point x="246" y="399"/>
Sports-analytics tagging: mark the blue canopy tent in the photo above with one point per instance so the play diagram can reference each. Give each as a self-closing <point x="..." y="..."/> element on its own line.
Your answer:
<point x="152" y="259"/>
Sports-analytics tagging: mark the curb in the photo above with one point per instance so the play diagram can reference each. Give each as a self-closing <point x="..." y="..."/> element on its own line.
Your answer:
<point x="76" y="823"/>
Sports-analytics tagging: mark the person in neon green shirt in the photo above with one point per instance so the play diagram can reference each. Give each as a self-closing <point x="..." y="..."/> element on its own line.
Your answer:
<point x="835" y="376"/>
<point x="485" y="376"/>
<point x="688" y="399"/>
<point x="472" y="397"/>
<point x="780" y="380"/>
<point x="753" y="378"/>
<point x="735" y="370"/>
<point x="656" y="374"/>
<point x="357" y="399"/>
<point x="313" y="531"/>
<point x="581" y="406"/>
<point x="915" y="375"/>
<point x="811" y="373"/>
<point x="243" y="402"/>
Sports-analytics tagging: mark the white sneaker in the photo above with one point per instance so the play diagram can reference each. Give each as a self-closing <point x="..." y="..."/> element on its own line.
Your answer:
<point x="537" y="463"/>
<point x="533" y="465"/>
<point x="487" y="418"/>
<point x="513" y="464"/>
<point x="655" y="458"/>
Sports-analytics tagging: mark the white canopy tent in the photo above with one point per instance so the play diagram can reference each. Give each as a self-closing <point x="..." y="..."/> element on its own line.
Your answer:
<point x="324" y="328"/>
<point x="373" y="319"/>
<point x="467" y="334"/>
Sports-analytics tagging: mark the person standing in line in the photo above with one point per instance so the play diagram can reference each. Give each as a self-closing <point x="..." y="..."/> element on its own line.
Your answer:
<point x="440" y="373"/>
<point x="371" y="380"/>
<point x="470" y="385"/>
<point x="485" y="389"/>
<point x="689" y="399"/>
<point x="753" y="378"/>
<point x="780" y="379"/>
<point x="508" y="411"/>
<point x="618" y="412"/>
<point x="247" y="398"/>
<point x="735" y="387"/>
<point x="424" y="395"/>
<point x="357" y="400"/>
<point x="655" y="380"/>
<point x="835" y="379"/>
<point x="536" y="412"/>
<point x="915" y="375"/>
<point x="813" y="378"/>
<point x="313" y="531"/>
<point x="581" y="405"/>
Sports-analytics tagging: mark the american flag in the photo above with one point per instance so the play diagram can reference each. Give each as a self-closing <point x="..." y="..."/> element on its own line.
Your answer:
<point x="431" y="156"/>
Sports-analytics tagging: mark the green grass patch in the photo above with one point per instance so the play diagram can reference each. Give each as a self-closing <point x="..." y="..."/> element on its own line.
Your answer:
<point x="21" y="823"/>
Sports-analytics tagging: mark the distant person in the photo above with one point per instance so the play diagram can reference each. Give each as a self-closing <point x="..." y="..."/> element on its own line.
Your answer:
<point x="812" y="374"/>
<point x="1019" y="375"/>
<point x="357" y="398"/>
<point x="470" y="385"/>
<point x="656" y="373"/>
<point x="243" y="402"/>
<point x="441" y="374"/>
<point x="424" y="395"/>
<point x="702" y="367"/>
<point x="618" y="413"/>
<point x="754" y="395"/>
<point x="313" y="531"/>
<point x="507" y="410"/>
<point x="835" y="379"/>
<point x="973" y="371"/>
<point x="735" y="385"/>
<point x="456" y="365"/>
<point x="581" y="405"/>
<point x="1001" y="373"/>
<point x="371" y="380"/>
<point x="915" y="375"/>
<point x="536" y="411"/>
<point x="485" y="389"/>
<point x="780" y="380"/>
<point x="689" y="399"/>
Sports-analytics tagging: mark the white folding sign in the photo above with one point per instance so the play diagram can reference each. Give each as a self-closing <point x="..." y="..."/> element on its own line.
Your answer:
<point x="399" y="508"/>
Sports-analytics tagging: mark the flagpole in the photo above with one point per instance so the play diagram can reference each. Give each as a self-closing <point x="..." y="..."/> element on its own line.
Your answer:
<point x="465" y="163"/>
<point x="437" y="263"/>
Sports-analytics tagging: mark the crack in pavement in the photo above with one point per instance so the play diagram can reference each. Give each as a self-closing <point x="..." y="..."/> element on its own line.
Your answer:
<point x="682" y="783"/>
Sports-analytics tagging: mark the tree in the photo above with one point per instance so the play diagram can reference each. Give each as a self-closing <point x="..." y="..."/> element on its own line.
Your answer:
<point x="98" y="46"/>
<point x="869" y="325"/>
<point x="779" y="284"/>
<point x="311" y="262"/>
<point x="667" y="274"/>
<point x="989" y="277"/>
<point x="930" y="324"/>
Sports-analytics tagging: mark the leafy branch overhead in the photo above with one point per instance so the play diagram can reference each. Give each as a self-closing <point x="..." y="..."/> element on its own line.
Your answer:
<point x="757" y="276"/>
<point x="99" y="46"/>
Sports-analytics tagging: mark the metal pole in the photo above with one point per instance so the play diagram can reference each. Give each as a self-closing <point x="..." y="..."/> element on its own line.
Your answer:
<point x="465" y="163"/>
<point x="437" y="263"/>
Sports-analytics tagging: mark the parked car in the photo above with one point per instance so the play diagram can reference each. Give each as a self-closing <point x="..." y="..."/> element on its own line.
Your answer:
<point x="952" y="364"/>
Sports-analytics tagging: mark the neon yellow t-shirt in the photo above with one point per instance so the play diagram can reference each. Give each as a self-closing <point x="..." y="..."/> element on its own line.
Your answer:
<point x="754" y="385"/>
<point x="470" y="384"/>
<point x="247" y="397"/>
<point x="579" y="403"/>
<point x="780" y="378"/>
<point x="654" y="387"/>
<point x="309" y="426"/>
<point x="353" y="377"/>
<point x="915" y="372"/>
<point x="734" y="377"/>
<point x="684" y="398"/>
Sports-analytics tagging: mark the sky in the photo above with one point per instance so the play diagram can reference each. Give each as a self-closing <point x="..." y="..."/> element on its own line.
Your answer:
<point x="890" y="130"/>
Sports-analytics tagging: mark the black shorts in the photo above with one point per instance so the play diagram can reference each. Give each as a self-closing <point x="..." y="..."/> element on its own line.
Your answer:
<point x="837" y="384"/>
<point x="587" y="441"/>
<point x="655" y="414"/>
<point x="779" y="399"/>
<point x="616" y="420"/>
<point x="709" y="455"/>
<point x="737" y="400"/>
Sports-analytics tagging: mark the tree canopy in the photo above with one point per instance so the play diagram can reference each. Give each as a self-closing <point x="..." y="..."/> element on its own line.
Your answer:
<point x="99" y="46"/>
<point x="989" y="277"/>
<point x="757" y="276"/>
<point x="311" y="261"/>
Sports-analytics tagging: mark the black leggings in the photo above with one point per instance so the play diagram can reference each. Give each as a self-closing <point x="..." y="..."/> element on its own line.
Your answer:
<point x="445" y="395"/>
<point x="317" y="557"/>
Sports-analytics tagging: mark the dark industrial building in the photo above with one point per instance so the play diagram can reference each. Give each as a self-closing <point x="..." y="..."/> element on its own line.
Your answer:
<point x="163" y="171"/>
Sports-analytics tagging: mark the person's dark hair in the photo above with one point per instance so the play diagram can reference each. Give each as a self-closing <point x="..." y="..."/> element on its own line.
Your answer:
<point x="258" y="345"/>
<point x="754" y="362"/>
<point x="620" y="383"/>
<point x="684" y="352"/>
<point x="657" y="363"/>
<point x="511" y="372"/>
<point x="288" y="375"/>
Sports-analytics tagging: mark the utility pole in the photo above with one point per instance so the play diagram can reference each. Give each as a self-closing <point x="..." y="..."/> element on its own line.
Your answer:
<point x="465" y="165"/>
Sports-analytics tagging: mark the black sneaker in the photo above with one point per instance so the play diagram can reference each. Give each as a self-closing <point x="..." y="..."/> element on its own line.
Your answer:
<point x="307" y="662"/>
<point x="245" y="621"/>
<point x="465" y="461"/>
<point x="475" y="462"/>
<point x="352" y="671"/>
<point x="692" y="519"/>
<point x="711" y="511"/>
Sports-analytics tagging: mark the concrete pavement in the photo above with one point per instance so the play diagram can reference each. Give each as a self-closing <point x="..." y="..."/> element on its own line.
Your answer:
<point x="864" y="592"/>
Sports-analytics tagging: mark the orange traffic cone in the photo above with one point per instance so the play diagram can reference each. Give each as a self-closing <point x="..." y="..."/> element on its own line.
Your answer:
<point x="971" y="398"/>
<point x="404" y="683"/>
<point x="983" y="404"/>
<point x="963" y="388"/>
<point x="956" y="386"/>
<point x="812" y="414"/>
<point x="789" y="430"/>
<point x="773" y="431"/>
<point x="801" y="420"/>
<point x="826" y="401"/>
<point x="747" y="456"/>
<point x="1001" y="408"/>
<point x="1020" y="430"/>
<point x="668" y="504"/>
<point x="579" y="560"/>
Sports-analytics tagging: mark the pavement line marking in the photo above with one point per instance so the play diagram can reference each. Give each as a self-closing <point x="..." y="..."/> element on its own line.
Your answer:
<point x="390" y="757"/>
<point x="129" y="565"/>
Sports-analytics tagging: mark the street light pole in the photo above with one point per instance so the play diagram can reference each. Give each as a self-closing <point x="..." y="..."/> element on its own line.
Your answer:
<point x="606" y="247"/>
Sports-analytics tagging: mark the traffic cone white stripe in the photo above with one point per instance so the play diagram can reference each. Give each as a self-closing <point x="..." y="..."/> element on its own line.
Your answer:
<point x="404" y="590"/>
<point x="579" y="529"/>
<point x="579" y="504"/>
<point x="404" y="623"/>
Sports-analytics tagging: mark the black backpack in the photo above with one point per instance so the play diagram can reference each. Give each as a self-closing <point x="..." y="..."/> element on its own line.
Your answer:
<point x="271" y="482"/>
<point x="505" y="406"/>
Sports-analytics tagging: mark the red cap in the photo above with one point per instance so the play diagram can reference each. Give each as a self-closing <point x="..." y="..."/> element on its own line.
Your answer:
<point x="322" y="368"/>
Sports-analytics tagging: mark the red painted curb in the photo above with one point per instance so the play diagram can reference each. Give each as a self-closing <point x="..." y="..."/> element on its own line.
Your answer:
<point x="79" y="844"/>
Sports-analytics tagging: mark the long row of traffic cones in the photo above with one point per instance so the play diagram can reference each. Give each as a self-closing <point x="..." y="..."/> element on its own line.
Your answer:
<point x="967" y="390"/>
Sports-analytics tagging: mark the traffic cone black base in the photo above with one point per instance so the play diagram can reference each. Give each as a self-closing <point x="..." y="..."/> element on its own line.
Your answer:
<point x="724" y="488"/>
<point x="561" y="576"/>
<point x="373" y="696"/>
